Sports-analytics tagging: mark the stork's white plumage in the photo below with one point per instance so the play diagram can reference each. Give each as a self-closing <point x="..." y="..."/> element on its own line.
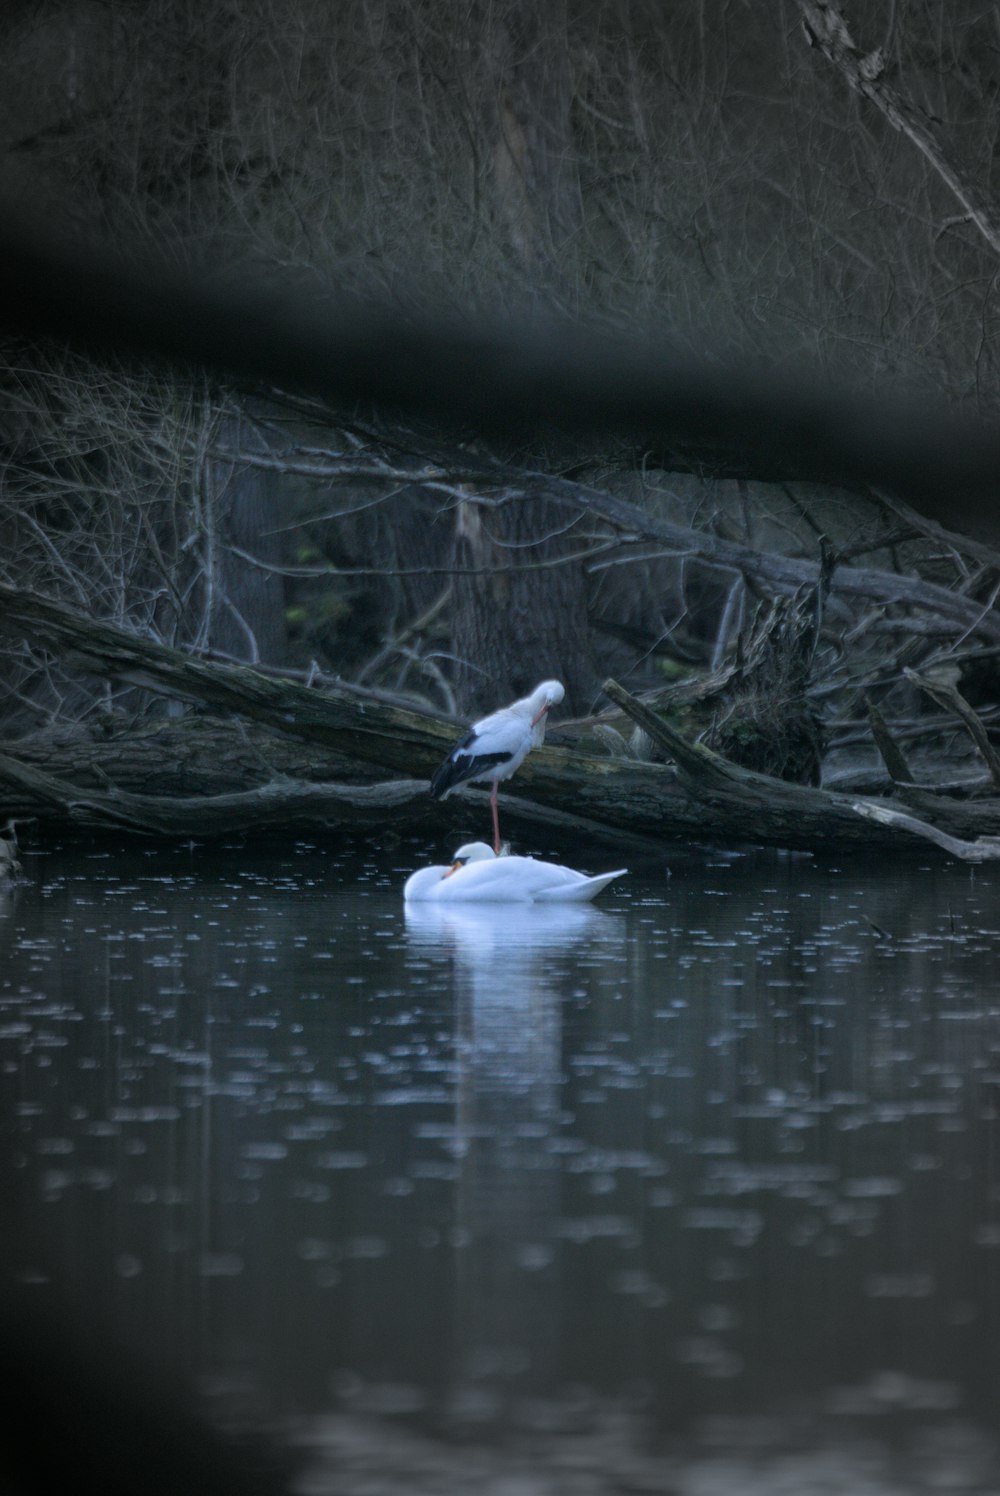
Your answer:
<point x="495" y="747"/>
<point x="477" y="876"/>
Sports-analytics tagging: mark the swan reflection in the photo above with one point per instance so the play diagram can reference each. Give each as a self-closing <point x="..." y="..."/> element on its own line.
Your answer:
<point x="511" y="970"/>
<point x="474" y="932"/>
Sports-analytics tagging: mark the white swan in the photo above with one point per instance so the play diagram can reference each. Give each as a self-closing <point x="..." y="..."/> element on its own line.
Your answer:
<point x="478" y="876"/>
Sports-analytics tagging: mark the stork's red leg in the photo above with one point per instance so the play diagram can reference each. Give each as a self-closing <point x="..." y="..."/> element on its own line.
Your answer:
<point x="496" y="816"/>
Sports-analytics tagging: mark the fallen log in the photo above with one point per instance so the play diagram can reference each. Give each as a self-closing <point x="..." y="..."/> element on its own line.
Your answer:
<point x="802" y="814"/>
<point x="645" y="808"/>
<point x="700" y="797"/>
<point x="341" y="718"/>
<point x="198" y="753"/>
<point x="303" y="806"/>
<point x="286" y="804"/>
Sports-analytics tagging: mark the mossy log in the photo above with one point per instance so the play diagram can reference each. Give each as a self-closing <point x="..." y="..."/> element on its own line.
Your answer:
<point x="773" y="811"/>
<point x="346" y="742"/>
<point x="343" y="719"/>
<point x="275" y="803"/>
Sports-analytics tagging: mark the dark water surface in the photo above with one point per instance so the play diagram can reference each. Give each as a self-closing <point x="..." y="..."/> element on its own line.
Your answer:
<point x="693" y="1190"/>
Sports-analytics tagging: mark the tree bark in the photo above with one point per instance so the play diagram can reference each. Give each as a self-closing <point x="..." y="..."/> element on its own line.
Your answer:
<point x="535" y="177"/>
<point x="520" y="621"/>
<point x="527" y="621"/>
<point x="280" y="803"/>
<point x="194" y="753"/>
<point x="245" y="509"/>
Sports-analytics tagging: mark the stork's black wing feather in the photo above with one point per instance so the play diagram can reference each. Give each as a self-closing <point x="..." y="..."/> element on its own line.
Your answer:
<point x="462" y="763"/>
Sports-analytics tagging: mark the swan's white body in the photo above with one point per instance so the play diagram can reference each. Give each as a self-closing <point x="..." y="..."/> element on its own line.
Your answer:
<point x="478" y="876"/>
<point x="495" y="747"/>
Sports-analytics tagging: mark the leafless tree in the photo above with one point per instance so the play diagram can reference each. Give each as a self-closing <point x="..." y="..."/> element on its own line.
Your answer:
<point x="112" y="499"/>
<point x="703" y="168"/>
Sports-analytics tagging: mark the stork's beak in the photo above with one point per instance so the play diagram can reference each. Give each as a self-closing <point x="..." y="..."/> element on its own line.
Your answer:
<point x="536" y="719"/>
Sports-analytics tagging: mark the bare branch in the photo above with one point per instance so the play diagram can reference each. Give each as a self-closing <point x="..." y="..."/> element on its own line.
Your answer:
<point x="946" y="694"/>
<point x="983" y="849"/>
<point x="501" y="381"/>
<point x="865" y="73"/>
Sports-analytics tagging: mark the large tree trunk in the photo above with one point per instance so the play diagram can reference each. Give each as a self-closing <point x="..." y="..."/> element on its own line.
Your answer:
<point x="520" y="610"/>
<point x="247" y="616"/>
<point x="535" y="180"/>
<point x="519" y="613"/>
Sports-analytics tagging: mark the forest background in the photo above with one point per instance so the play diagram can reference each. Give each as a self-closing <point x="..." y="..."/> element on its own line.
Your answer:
<point x="756" y="186"/>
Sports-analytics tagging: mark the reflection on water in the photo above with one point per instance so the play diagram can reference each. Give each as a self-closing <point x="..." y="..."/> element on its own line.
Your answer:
<point x="505" y="1132"/>
<point x="707" y="1167"/>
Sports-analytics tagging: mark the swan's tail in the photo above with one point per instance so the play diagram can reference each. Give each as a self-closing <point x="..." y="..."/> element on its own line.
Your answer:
<point x="578" y="893"/>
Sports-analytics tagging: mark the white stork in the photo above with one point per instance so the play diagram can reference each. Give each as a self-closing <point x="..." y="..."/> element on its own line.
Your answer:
<point x="496" y="746"/>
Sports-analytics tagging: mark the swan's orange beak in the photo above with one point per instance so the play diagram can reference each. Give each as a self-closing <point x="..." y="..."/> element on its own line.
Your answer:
<point x="455" y="867"/>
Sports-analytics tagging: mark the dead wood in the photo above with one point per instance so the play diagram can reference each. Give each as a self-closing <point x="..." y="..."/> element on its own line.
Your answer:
<point x="946" y="694"/>
<point x="889" y="750"/>
<point x="290" y="805"/>
<point x="344" y="719"/>
<point x="486" y="480"/>
<point x="866" y="73"/>
<point x="198" y="752"/>
<point x="983" y="849"/>
<point x="703" y="799"/>
<point x="285" y="804"/>
<point x="796" y="815"/>
<point x="765" y="720"/>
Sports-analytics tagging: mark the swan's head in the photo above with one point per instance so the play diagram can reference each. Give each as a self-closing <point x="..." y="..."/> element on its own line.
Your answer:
<point x="549" y="693"/>
<point x="471" y="852"/>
